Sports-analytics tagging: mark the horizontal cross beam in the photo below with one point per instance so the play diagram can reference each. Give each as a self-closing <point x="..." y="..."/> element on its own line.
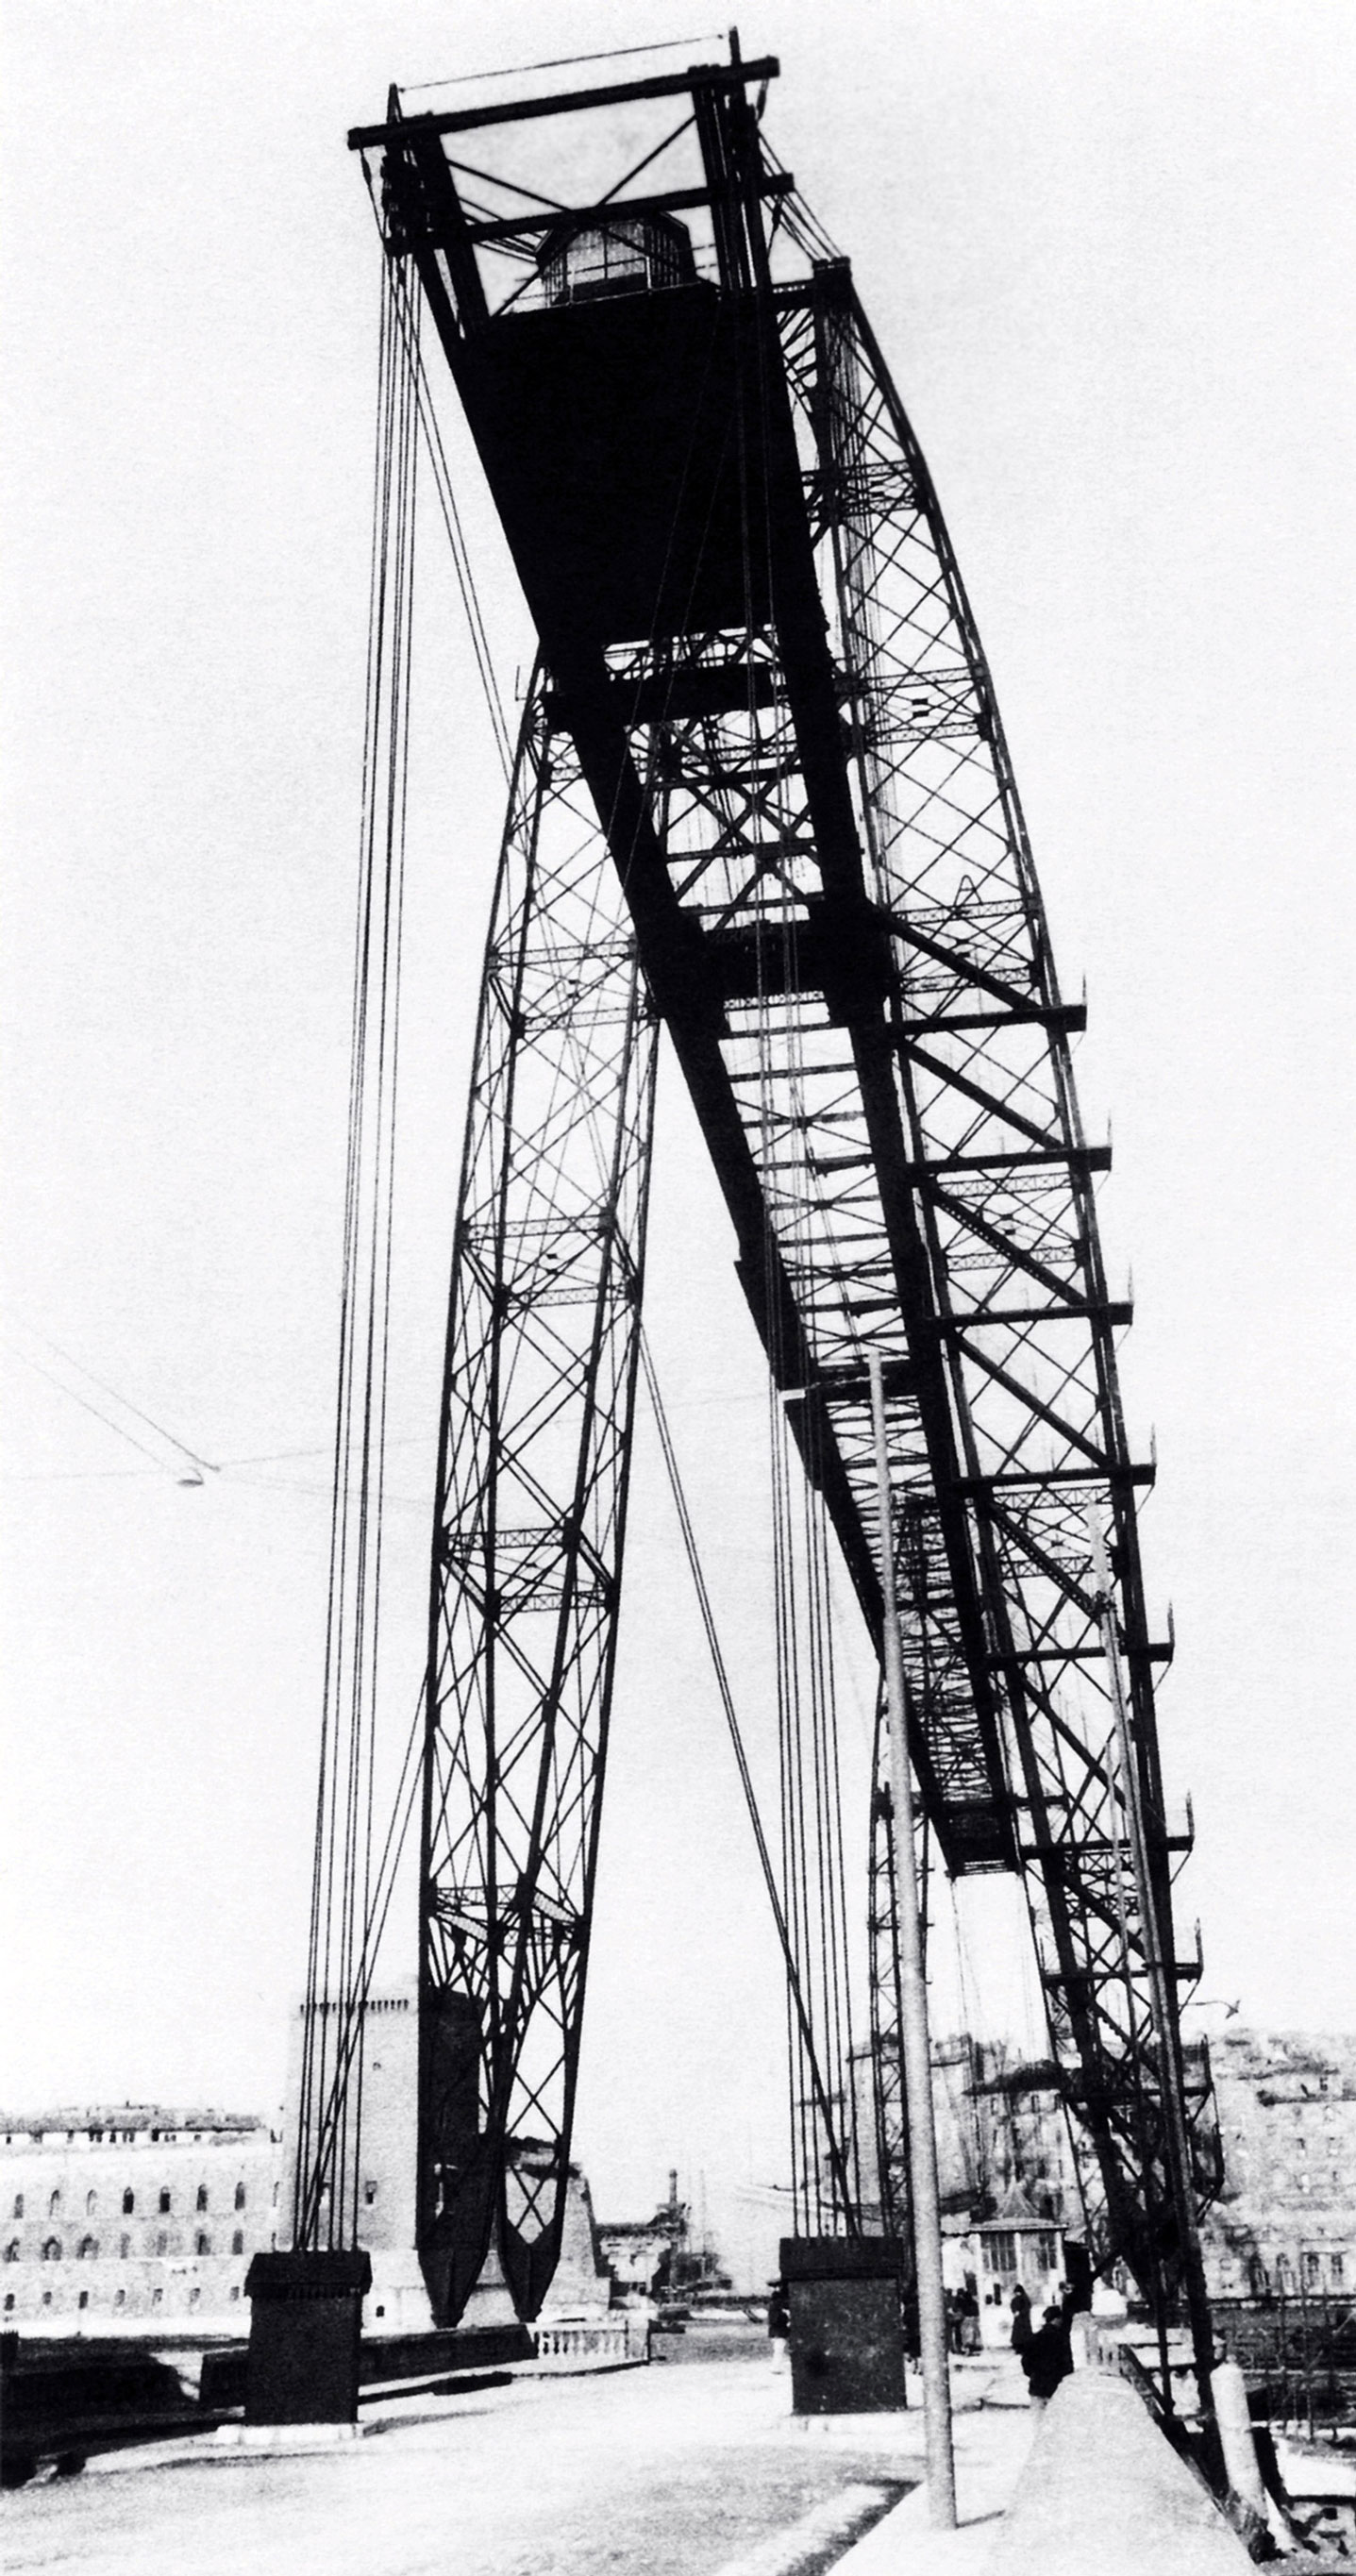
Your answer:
<point x="1115" y="1473"/>
<point x="1070" y="1018"/>
<point x="1058" y="1311"/>
<point x="464" y="120"/>
<point x="776" y="183"/>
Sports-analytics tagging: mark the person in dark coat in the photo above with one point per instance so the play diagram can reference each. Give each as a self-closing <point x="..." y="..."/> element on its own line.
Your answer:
<point x="1021" y="2320"/>
<point x="1048" y="2357"/>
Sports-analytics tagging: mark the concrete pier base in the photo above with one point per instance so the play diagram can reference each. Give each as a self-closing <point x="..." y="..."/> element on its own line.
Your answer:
<point x="846" y="2340"/>
<point x="305" y="2333"/>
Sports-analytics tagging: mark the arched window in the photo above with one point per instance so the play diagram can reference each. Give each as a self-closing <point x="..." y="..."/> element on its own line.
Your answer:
<point x="18" y="2204"/>
<point x="157" y="2298"/>
<point x="9" y="2301"/>
<point x="240" y="2195"/>
<point x="54" y="2205"/>
<point x="87" y="2251"/>
<point x="124" y="2249"/>
<point x="51" y="2252"/>
<point x="129" y="2202"/>
<point x="238" y="2241"/>
<point x="162" y="2243"/>
<point x="120" y="2299"/>
<point x="12" y="2250"/>
<point x="204" y="2243"/>
<point x="165" y="2202"/>
<point x="202" y="2195"/>
<point x="91" y="2203"/>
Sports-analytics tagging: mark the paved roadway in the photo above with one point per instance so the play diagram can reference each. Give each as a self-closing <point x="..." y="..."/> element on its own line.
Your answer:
<point x="659" y="2472"/>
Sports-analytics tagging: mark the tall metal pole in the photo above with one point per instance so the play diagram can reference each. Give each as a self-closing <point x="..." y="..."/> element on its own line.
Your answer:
<point x="916" y="2046"/>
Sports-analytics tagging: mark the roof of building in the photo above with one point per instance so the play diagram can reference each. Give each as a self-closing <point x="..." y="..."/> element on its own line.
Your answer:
<point x="124" y="2117"/>
<point x="1016" y="2209"/>
<point x="1256" y="2056"/>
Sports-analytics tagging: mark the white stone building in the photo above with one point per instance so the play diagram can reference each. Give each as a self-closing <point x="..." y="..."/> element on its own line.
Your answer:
<point x="398" y="2302"/>
<point x="133" y="2212"/>
<point x="1285" y="2222"/>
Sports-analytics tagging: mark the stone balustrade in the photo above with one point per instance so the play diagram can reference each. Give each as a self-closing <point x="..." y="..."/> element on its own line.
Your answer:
<point x="611" y="2339"/>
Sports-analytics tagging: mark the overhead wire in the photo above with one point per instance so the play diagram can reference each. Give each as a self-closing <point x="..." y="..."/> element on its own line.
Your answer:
<point x="559" y="63"/>
<point x="171" y="1438"/>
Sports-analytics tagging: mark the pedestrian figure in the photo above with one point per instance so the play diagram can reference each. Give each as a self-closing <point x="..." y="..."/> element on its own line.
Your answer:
<point x="778" y="2324"/>
<point x="1047" y="2357"/>
<point x="1021" y="2320"/>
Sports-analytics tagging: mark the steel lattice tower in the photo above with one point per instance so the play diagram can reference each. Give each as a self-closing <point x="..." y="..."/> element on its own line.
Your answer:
<point x="540" y="1378"/>
<point x="763" y="796"/>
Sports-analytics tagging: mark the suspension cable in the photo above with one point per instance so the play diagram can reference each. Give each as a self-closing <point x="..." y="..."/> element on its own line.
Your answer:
<point x="697" y="1571"/>
<point x="325" y="2207"/>
<point x="814" y="1871"/>
<point x="406" y="307"/>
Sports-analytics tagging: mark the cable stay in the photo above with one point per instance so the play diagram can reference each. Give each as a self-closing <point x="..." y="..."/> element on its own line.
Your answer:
<point x="788" y="1904"/>
<point x="349" y="1884"/>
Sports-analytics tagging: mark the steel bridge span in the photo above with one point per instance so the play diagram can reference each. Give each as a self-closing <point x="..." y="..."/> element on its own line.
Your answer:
<point x="761" y="799"/>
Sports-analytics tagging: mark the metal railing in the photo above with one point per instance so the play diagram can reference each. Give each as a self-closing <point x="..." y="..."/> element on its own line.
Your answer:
<point x="619" y="2339"/>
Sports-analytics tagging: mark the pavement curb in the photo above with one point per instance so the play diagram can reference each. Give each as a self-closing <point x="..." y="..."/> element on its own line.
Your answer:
<point x="821" y="2537"/>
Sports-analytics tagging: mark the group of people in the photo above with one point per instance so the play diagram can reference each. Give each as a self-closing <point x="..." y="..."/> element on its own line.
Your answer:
<point x="1045" y="2351"/>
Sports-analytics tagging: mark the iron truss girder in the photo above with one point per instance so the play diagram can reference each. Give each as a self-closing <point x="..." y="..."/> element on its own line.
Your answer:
<point x="1020" y="1307"/>
<point x="537" y="1410"/>
<point x="788" y="733"/>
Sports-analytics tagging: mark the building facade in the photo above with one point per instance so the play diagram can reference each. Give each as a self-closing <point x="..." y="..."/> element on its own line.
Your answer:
<point x="1285" y="2223"/>
<point x="134" y="2213"/>
<point x="398" y="2302"/>
<point x="1005" y="2171"/>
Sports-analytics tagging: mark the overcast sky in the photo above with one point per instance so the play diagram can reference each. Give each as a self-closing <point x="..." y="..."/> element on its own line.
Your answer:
<point x="1109" y="254"/>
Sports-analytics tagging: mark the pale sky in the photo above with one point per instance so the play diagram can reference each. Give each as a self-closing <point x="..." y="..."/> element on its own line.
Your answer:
<point x="1108" y="254"/>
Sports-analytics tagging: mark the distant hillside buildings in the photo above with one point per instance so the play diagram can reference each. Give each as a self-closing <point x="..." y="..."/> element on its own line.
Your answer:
<point x="1005" y="2171"/>
<point x="1285" y="2224"/>
<point x="145" y="2214"/>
